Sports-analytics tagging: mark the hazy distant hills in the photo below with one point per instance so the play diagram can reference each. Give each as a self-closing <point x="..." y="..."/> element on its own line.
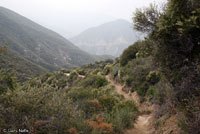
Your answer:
<point x="110" y="38"/>
<point x="71" y="24"/>
<point x="39" y="45"/>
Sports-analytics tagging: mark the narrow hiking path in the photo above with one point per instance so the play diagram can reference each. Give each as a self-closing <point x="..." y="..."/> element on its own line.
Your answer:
<point x="143" y="124"/>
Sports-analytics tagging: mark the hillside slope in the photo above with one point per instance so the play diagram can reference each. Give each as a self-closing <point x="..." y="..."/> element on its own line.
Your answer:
<point x="38" y="44"/>
<point x="110" y="38"/>
<point x="23" y="68"/>
<point x="68" y="101"/>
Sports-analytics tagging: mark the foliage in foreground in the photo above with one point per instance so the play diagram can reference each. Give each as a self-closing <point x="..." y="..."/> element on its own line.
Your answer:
<point x="70" y="104"/>
<point x="176" y="37"/>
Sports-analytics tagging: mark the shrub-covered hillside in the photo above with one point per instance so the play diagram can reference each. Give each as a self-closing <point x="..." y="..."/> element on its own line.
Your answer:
<point x="163" y="69"/>
<point x="67" y="102"/>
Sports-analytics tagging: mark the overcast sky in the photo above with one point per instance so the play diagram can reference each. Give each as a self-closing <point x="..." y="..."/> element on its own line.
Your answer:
<point x="74" y="16"/>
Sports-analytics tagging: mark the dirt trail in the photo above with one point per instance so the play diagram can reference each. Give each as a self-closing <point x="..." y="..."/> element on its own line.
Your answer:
<point x="143" y="124"/>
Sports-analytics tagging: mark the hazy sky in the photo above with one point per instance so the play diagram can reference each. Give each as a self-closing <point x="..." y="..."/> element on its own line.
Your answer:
<point x="70" y="17"/>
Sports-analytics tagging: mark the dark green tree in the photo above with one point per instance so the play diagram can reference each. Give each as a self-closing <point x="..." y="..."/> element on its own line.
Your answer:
<point x="145" y="19"/>
<point x="177" y="38"/>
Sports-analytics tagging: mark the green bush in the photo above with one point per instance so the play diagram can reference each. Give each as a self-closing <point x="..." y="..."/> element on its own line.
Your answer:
<point x="90" y="107"/>
<point x="129" y="80"/>
<point x="115" y="71"/>
<point x="162" y="92"/>
<point x="95" y="71"/>
<point x="108" y="102"/>
<point x="153" y="77"/>
<point x="81" y="72"/>
<point x="129" y="54"/>
<point x="151" y="92"/>
<point x="140" y="49"/>
<point x="73" y="74"/>
<point x="128" y="105"/>
<point x="94" y="81"/>
<point x="123" y="119"/>
<point x="123" y="115"/>
<point x="100" y="81"/>
<point x="142" y="88"/>
<point x="136" y="71"/>
<point x="80" y="94"/>
<point x="107" y="69"/>
<point x="133" y="90"/>
<point x="135" y="75"/>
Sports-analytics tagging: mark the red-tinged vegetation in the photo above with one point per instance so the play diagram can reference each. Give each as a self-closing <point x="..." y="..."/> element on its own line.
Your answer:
<point x="96" y="102"/>
<point x="73" y="131"/>
<point x="100" y="125"/>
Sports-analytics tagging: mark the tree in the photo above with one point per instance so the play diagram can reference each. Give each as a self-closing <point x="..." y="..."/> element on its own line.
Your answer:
<point x="146" y="19"/>
<point x="177" y="37"/>
<point x="175" y="31"/>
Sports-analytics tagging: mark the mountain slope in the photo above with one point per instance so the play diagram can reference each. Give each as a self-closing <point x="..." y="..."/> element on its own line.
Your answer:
<point x="38" y="44"/>
<point x="24" y="69"/>
<point x="110" y="38"/>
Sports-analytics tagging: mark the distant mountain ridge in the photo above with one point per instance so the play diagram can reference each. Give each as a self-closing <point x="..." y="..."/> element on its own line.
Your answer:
<point x="110" y="38"/>
<point x="39" y="45"/>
